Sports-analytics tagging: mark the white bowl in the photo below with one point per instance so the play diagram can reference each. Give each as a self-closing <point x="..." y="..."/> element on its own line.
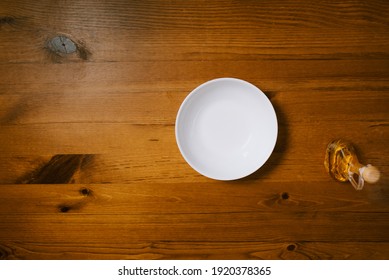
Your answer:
<point x="226" y="129"/>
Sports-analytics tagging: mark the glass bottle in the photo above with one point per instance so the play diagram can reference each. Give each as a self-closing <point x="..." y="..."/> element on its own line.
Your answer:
<point x="342" y="164"/>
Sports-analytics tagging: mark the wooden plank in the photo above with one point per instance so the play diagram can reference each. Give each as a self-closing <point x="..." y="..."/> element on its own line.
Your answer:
<point x="290" y="73"/>
<point x="198" y="30"/>
<point x="206" y="227"/>
<point x="160" y="107"/>
<point x="196" y="250"/>
<point x="126" y="153"/>
<point x="171" y="168"/>
<point x="200" y="198"/>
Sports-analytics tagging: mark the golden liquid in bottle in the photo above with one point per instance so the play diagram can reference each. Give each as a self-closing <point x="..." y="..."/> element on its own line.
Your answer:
<point x="341" y="162"/>
<point x="340" y="159"/>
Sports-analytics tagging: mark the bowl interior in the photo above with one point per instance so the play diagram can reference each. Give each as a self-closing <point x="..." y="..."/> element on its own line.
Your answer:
<point x="226" y="129"/>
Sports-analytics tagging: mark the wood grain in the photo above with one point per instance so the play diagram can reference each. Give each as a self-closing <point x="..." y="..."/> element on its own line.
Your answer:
<point x="195" y="250"/>
<point x="89" y="167"/>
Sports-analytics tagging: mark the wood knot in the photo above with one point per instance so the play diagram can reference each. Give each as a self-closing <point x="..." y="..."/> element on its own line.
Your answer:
<point x="4" y="252"/>
<point x="7" y="20"/>
<point x="291" y="247"/>
<point x="61" y="169"/>
<point x="285" y="196"/>
<point x="85" y="191"/>
<point x="64" y="208"/>
<point x="61" y="47"/>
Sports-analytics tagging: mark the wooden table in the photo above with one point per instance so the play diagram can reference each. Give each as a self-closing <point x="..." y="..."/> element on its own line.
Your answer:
<point x="89" y="166"/>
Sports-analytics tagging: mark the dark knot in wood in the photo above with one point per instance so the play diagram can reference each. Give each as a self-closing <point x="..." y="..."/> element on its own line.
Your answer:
<point x="285" y="196"/>
<point x="64" y="208"/>
<point x="7" y="20"/>
<point x="85" y="191"/>
<point x="291" y="247"/>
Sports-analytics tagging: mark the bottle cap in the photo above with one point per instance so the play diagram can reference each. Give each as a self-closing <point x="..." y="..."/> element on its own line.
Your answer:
<point x="371" y="174"/>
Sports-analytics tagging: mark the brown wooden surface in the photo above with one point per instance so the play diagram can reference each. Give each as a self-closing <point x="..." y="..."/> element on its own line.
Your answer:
<point x="89" y="167"/>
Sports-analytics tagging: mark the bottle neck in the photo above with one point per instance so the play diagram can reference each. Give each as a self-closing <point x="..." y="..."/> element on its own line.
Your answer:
<point x="355" y="174"/>
<point x="355" y="167"/>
